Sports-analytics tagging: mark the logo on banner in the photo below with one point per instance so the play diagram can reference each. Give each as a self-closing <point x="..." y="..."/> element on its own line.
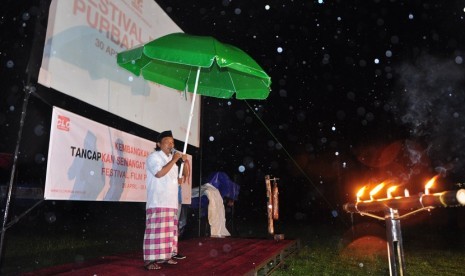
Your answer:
<point x="63" y="123"/>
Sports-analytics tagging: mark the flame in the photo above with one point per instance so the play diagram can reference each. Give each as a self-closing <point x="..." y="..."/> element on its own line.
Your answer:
<point x="390" y="190"/>
<point x="376" y="189"/>
<point x="361" y="191"/>
<point x="430" y="183"/>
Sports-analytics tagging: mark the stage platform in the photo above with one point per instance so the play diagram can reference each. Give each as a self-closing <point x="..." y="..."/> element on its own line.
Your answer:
<point x="205" y="256"/>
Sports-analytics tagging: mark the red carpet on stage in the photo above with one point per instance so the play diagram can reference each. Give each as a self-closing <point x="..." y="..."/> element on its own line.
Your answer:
<point x="205" y="256"/>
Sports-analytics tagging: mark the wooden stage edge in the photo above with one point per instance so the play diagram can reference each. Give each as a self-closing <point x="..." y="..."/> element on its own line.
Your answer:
<point x="205" y="256"/>
<point x="277" y="260"/>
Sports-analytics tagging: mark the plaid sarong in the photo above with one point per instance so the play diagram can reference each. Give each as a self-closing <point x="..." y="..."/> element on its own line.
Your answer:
<point x="161" y="234"/>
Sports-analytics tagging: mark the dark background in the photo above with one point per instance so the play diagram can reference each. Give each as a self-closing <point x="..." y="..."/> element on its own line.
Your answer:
<point x="362" y="92"/>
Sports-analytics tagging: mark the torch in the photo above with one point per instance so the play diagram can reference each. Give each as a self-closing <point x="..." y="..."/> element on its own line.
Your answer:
<point x="272" y="204"/>
<point x="269" y="205"/>
<point x="391" y="206"/>
<point x="419" y="202"/>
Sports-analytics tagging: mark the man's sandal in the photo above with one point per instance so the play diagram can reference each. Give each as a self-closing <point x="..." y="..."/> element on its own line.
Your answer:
<point x="152" y="265"/>
<point x="169" y="261"/>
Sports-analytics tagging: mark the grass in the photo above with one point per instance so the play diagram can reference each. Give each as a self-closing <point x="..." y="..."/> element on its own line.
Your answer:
<point x="327" y="261"/>
<point x="323" y="253"/>
<point x="327" y="247"/>
<point x="330" y="250"/>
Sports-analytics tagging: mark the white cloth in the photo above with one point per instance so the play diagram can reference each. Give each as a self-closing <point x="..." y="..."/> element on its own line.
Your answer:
<point x="161" y="192"/>
<point x="216" y="213"/>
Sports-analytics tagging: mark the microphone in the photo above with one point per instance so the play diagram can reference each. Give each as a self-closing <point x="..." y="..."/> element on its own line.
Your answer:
<point x="173" y="151"/>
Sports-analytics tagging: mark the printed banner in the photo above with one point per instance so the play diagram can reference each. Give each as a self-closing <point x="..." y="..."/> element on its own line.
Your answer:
<point x="90" y="161"/>
<point x="83" y="38"/>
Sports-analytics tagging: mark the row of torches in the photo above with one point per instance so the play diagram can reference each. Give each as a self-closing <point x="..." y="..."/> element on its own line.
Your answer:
<point x="391" y="205"/>
<point x="390" y="190"/>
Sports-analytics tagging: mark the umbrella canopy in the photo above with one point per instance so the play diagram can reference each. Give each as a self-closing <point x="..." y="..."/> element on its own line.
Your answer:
<point x="200" y="65"/>
<point x="173" y="60"/>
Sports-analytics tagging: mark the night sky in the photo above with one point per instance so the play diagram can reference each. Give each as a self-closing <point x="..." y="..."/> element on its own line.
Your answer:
<point x="362" y="92"/>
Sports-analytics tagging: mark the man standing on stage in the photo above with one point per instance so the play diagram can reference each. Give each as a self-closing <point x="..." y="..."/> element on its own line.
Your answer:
<point x="161" y="229"/>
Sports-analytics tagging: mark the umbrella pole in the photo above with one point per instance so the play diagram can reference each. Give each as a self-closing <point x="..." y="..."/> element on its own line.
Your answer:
<point x="190" y="118"/>
<point x="199" y="211"/>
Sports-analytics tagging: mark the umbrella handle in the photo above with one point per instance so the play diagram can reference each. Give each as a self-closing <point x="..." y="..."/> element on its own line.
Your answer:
<point x="190" y="118"/>
<point x="180" y="170"/>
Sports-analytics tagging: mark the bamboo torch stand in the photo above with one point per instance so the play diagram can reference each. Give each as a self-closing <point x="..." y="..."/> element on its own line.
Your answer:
<point x="391" y="207"/>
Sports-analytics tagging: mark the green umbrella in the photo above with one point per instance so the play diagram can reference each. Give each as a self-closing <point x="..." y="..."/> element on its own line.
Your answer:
<point x="198" y="64"/>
